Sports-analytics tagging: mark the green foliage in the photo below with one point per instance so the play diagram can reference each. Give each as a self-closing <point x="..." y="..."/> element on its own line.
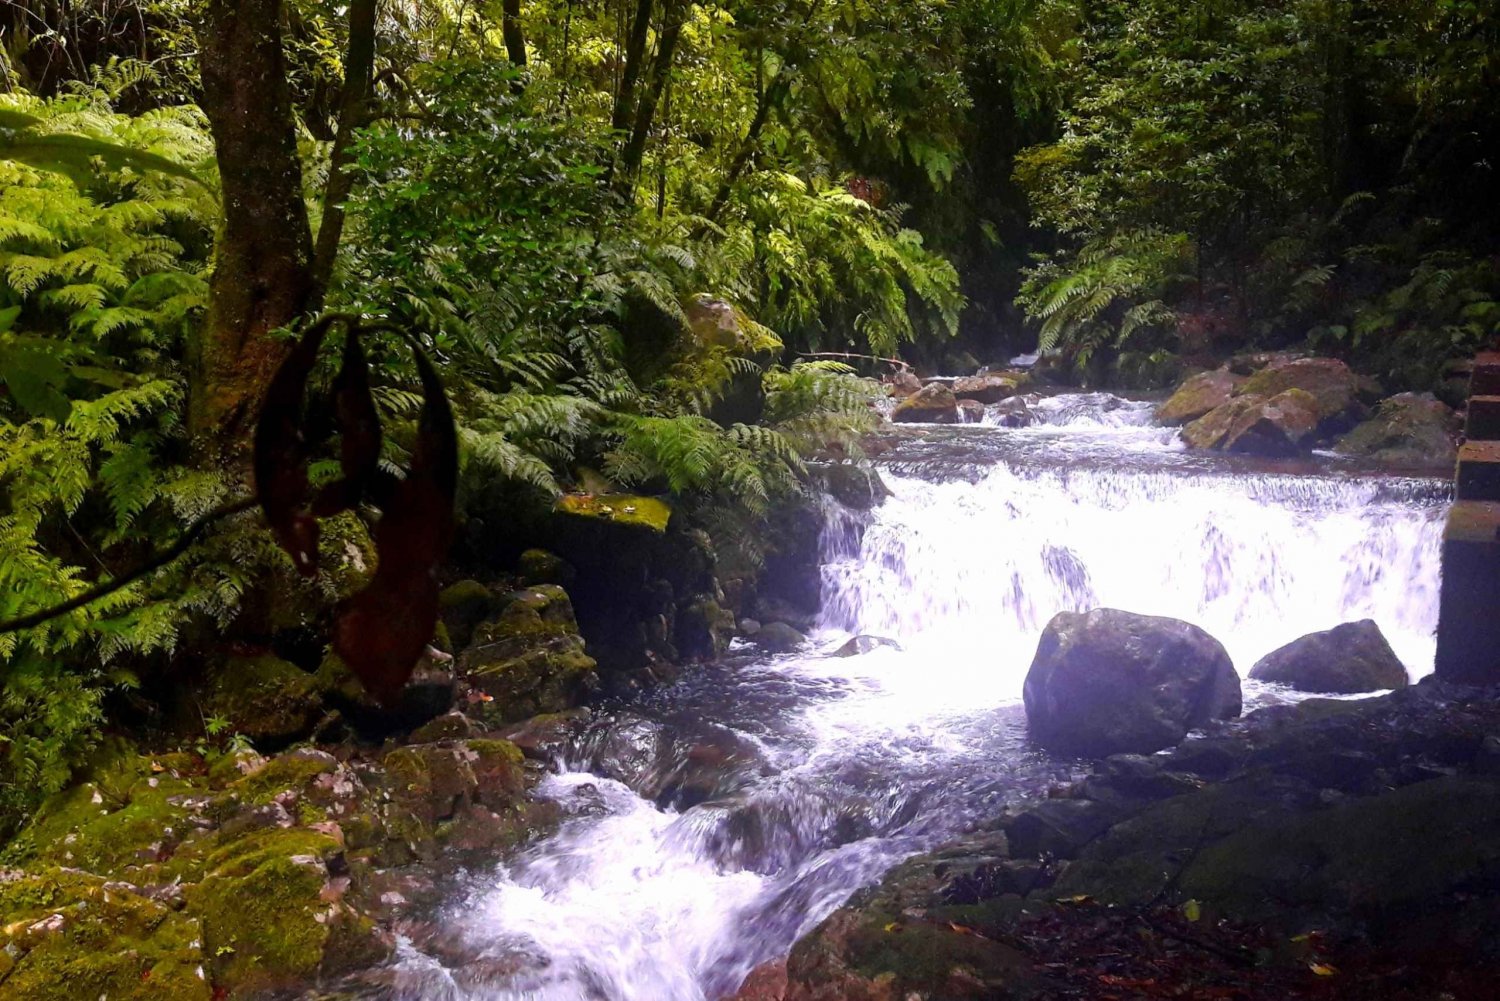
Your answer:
<point x="1307" y="154"/>
<point x="101" y="278"/>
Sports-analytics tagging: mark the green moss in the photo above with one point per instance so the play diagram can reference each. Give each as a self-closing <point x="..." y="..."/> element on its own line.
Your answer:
<point x="619" y="509"/>
<point x="72" y="938"/>
<point x="287" y="771"/>
<point x="259" y="906"/>
<point x="123" y="817"/>
<point x="265" y="698"/>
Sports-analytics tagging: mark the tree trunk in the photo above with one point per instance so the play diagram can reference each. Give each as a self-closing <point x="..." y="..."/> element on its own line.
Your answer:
<point x="262" y="262"/>
<point x="510" y="30"/>
<point x="675" y="15"/>
<point x="359" y="74"/>
<point x="635" y="53"/>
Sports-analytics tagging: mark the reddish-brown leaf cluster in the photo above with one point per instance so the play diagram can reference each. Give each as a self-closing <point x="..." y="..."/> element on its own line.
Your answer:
<point x="381" y="631"/>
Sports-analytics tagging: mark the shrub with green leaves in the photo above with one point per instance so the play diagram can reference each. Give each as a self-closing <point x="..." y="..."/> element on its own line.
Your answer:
<point x="102" y="274"/>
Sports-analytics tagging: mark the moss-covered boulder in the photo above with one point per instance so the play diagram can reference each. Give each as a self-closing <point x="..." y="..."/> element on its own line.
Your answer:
<point x="531" y="659"/>
<point x="1334" y="387"/>
<point x="1411" y="429"/>
<point x="455" y="796"/>
<point x="538" y="566"/>
<point x="1199" y="395"/>
<point x="933" y="404"/>
<point x="269" y="907"/>
<point x="1282" y="425"/>
<point x="267" y="699"/>
<point x="991" y="387"/>
<point x="67" y="935"/>
<point x="464" y="605"/>
<point x="1212" y="429"/>
<point x="619" y="509"/>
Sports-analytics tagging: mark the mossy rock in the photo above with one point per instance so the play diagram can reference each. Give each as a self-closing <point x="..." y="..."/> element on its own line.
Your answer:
<point x="128" y="812"/>
<point x="464" y="605"/>
<point x="265" y="698"/>
<point x="538" y="566"/>
<point x="618" y="509"/>
<point x="70" y="935"/>
<point x="265" y="924"/>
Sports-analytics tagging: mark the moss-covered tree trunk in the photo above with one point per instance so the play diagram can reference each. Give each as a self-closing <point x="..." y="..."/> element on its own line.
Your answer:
<point x="263" y="259"/>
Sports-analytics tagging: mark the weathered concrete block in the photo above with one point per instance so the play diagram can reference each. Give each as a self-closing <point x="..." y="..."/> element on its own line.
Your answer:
<point x="1478" y="476"/>
<point x="1483" y="423"/>
<point x="1468" y="647"/>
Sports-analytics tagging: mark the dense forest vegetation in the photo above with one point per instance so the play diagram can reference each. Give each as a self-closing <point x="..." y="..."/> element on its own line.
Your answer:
<point x="633" y="232"/>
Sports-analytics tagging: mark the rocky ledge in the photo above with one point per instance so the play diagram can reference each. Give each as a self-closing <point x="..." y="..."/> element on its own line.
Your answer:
<point x="200" y="875"/>
<point x="1333" y="849"/>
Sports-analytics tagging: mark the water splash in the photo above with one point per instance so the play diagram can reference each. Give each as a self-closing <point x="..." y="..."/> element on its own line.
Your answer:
<point x="847" y="766"/>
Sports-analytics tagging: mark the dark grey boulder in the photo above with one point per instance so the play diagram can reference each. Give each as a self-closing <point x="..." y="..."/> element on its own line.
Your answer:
<point x="778" y="637"/>
<point x="1108" y="682"/>
<point x="1345" y="660"/>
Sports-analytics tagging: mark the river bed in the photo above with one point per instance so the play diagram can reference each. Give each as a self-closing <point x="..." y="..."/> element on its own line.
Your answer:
<point x="830" y="770"/>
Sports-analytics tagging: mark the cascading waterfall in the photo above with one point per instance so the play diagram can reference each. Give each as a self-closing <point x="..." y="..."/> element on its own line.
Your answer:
<point x="841" y="767"/>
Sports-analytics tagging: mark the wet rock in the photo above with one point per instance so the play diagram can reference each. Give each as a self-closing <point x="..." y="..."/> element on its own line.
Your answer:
<point x="859" y="645"/>
<point x="1332" y="384"/>
<point x="1411" y="429"/>
<point x="991" y="387"/>
<point x="703" y="629"/>
<point x="677" y="765"/>
<point x="531" y="659"/>
<point x="904" y="383"/>
<point x="1059" y="827"/>
<point x="1278" y="426"/>
<point x="854" y="485"/>
<point x="1198" y="396"/>
<point x="767" y="982"/>
<point x="1108" y="681"/>
<point x="1016" y="412"/>
<point x="547" y="737"/>
<point x="778" y="637"/>
<point x="970" y="412"/>
<point x="1349" y="658"/>
<point x="749" y="627"/>
<point x="933" y="404"/>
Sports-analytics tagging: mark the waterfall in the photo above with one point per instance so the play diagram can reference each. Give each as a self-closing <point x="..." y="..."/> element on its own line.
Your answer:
<point x="846" y="766"/>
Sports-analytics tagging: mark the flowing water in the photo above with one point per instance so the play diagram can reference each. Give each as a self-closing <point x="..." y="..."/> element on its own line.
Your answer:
<point x="714" y="822"/>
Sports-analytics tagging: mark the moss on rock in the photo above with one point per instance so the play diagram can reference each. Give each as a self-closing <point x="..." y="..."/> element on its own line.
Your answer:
<point x="266" y="698"/>
<point x="619" y="509"/>
<point x="265" y="923"/>
<point x="70" y="935"/>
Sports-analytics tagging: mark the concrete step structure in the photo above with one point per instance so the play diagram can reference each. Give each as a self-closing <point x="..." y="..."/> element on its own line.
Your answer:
<point x="1478" y="475"/>
<point x="1468" y="636"/>
<point x="1468" y="649"/>
<point x="1483" y="421"/>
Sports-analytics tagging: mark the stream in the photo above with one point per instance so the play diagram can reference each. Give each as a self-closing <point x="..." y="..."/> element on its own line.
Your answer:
<point x="712" y="823"/>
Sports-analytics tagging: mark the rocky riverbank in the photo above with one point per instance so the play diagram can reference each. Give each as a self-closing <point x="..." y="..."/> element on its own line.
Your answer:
<point x="1332" y="849"/>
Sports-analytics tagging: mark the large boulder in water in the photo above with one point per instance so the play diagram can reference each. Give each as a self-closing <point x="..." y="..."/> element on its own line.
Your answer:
<point x="1278" y="426"/>
<point x="991" y="387"/>
<point x="1415" y="429"/>
<point x="1281" y="425"/>
<point x="933" y="404"/>
<point x="1199" y="395"/>
<point x="1346" y="659"/>
<point x="1107" y="681"/>
<point x="1332" y="384"/>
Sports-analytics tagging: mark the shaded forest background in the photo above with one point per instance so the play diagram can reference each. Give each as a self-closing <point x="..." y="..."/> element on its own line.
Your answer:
<point x="628" y="229"/>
